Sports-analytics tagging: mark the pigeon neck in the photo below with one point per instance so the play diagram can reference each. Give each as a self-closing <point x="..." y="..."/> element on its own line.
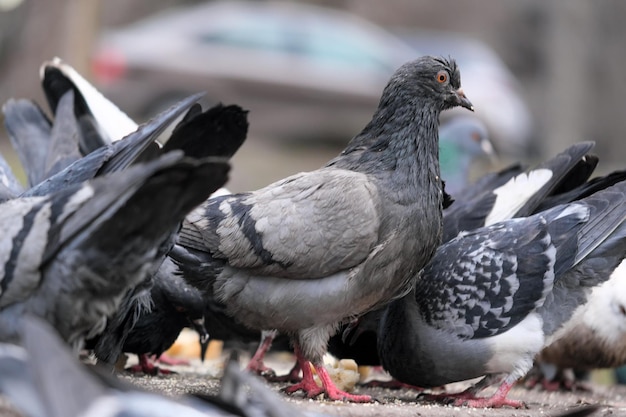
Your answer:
<point x="409" y="153"/>
<point x="400" y="141"/>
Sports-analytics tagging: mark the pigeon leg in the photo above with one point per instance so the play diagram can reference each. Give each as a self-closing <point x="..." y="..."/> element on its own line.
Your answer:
<point x="307" y="384"/>
<point x="468" y="394"/>
<point x="147" y="367"/>
<point x="328" y="388"/>
<point x="256" y="364"/>
<point x="334" y="393"/>
<point x="497" y="400"/>
<point x="168" y="360"/>
<point x="292" y="376"/>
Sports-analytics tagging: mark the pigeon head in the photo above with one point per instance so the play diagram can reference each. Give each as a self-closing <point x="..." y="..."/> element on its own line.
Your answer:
<point x="436" y="81"/>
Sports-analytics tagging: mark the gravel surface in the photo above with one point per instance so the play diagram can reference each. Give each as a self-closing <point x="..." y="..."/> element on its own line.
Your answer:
<point x="204" y="378"/>
<point x="401" y="403"/>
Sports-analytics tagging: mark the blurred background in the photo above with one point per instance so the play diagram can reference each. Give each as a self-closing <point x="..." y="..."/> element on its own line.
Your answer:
<point x="541" y="74"/>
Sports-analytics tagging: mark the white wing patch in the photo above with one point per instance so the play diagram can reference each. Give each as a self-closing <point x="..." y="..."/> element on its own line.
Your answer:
<point x="512" y="195"/>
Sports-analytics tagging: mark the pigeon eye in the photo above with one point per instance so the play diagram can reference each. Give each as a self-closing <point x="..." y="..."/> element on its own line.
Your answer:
<point x="442" y="77"/>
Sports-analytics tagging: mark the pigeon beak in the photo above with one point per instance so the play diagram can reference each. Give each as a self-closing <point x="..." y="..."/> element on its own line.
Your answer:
<point x="198" y="326"/>
<point x="462" y="100"/>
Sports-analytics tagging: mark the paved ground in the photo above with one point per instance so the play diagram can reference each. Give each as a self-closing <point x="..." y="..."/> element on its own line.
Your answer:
<point x="204" y="378"/>
<point x="397" y="403"/>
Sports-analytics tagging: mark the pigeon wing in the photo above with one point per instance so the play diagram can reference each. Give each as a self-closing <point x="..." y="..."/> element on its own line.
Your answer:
<point x="309" y="225"/>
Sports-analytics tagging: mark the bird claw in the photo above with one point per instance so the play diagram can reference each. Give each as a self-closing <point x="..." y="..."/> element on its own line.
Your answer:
<point x="309" y="390"/>
<point x="446" y="398"/>
<point x="332" y="394"/>
<point x="151" y="370"/>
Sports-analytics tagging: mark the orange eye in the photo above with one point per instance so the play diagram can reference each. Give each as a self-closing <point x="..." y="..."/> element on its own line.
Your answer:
<point x="442" y="76"/>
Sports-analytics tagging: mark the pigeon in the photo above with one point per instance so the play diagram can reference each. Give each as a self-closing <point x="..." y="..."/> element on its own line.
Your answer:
<point x="462" y="140"/>
<point x="317" y="248"/>
<point x="70" y="256"/>
<point x="29" y="377"/>
<point x="492" y="298"/>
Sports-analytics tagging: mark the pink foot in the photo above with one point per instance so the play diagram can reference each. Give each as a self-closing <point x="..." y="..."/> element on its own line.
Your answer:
<point x="292" y="376"/>
<point x="147" y="367"/>
<point x="490" y="402"/>
<point x="497" y="400"/>
<point x="256" y="364"/>
<point x="307" y="384"/>
<point x="328" y="388"/>
<point x="168" y="360"/>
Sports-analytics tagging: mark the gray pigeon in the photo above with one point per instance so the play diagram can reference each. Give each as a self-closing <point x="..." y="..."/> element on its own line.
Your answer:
<point x="463" y="140"/>
<point x="70" y="256"/>
<point x="315" y="249"/>
<point x="492" y="298"/>
<point x="29" y="377"/>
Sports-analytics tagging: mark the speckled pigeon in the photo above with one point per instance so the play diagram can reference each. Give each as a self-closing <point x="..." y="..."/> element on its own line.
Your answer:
<point x="317" y="248"/>
<point x="70" y="256"/>
<point x="492" y="298"/>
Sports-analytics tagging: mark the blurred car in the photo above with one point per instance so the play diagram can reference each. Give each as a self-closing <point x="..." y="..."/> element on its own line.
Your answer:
<point x="303" y="71"/>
